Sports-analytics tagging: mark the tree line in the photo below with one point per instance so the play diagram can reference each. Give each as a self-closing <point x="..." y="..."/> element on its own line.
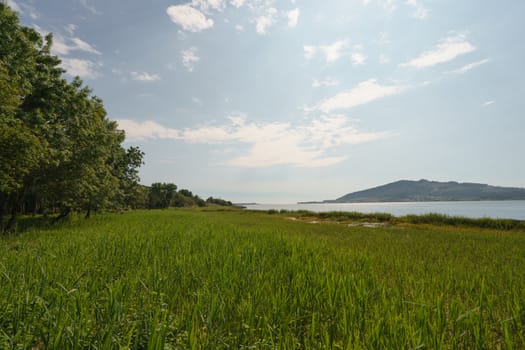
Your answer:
<point x="164" y="195"/>
<point x="59" y="153"/>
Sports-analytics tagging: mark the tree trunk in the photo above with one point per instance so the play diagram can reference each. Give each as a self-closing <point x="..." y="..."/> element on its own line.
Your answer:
<point x="88" y="213"/>
<point x="12" y="221"/>
<point x="62" y="215"/>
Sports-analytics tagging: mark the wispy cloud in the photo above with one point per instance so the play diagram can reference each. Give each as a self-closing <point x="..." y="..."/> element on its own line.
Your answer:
<point x="70" y="28"/>
<point x="293" y="17"/>
<point x="189" y="58"/>
<point x="65" y="45"/>
<point x="189" y="18"/>
<point x="206" y="5"/>
<point x="420" y="11"/>
<point x="358" y="58"/>
<point x="89" y="7"/>
<point x="331" y="52"/>
<point x="310" y="145"/>
<point x="144" y="76"/>
<point x="263" y="22"/>
<point x="309" y="51"/>
<point x="365" y="92"/>
<point x="328" y="81"/>
<point x="470" y="66"/>
<point x="447" y="50"/>
<point x="22" y="8"/>
<point x="488" y="103"/>
<point x="237" y="3"/>
<point x="79" y="67"/>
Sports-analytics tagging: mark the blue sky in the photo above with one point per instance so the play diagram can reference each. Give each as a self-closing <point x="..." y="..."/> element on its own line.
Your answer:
<point x="283" y="100"/>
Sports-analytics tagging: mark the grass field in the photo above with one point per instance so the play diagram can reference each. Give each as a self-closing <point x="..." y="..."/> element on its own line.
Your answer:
<point x="191" y="279"/>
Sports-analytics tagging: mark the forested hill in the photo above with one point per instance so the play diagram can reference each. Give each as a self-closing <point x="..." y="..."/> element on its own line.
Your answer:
<point x="423" y="190"/>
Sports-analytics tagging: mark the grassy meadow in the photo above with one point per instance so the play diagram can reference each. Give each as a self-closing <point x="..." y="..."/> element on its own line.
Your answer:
<point x="232" y="279"/>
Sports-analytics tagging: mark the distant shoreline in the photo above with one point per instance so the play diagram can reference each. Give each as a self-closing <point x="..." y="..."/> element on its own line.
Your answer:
<point x="404" y="201"/>
<point x="497" y="209"/>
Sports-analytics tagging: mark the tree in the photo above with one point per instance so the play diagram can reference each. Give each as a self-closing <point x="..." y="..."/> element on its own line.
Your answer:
<point x="161" y="195"/>
<point x="58" y="150"/>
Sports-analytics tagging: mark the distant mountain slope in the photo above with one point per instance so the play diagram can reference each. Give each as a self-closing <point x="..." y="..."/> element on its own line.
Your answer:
<point x="424" y="190"/>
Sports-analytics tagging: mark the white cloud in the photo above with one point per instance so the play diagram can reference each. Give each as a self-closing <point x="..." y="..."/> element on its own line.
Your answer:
<point x="293" y="17"/>
<point x="309" y="51"/>
<point x="358" y="58"/>
<point x="488" y="103"/>
<point x="325" y="82"/>
<point x="237" y="3"/>
<point x="144" y="76"/>
<point x="70" y="28"/>
<point x="277" y="143"/>
<point x="421" y="11"/>
<point x="83" y="46"/>
<point x="89" y="7"/>
<point x="334" y="51"/>
<point x="331" y="52"/>
<point x="146" y="130"/>
<point x="365" y="92"/>
<point x="22" y="8"/>
<point x="239" y="27"/>
<point x="206" y="5"/>
<point x="188" y="18"/>
<point x="64" y="46"/>
<point x="189" y="58"/>
<point x="448" y="49"/>
<point x="470" y="66"/>
<point x="78" y="67"/>
<point x="265" y="21"/>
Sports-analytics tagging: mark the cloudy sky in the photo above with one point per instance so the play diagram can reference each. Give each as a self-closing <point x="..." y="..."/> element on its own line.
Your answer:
<point x="288" y="100"/>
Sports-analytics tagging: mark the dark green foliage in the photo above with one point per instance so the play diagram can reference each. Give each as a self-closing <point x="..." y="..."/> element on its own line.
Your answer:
<point x="185" y="198"/>
<point x="219" y="201"/>
<point x="439" y="219"/>
<point x="165" y="195"/>
<point x="161" y="195"/>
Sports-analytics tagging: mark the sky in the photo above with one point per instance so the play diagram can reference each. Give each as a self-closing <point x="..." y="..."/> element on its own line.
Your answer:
<point x="278" y="101"/>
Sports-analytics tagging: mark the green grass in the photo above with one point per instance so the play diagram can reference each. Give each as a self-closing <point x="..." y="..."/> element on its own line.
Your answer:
<point x="431" y="218"/>
<point x="242" y="280"/>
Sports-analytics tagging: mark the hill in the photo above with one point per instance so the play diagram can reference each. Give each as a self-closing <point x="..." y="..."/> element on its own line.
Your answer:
<point x="427" y="191"/>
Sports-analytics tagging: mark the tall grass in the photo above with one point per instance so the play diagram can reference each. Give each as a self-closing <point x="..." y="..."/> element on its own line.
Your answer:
<point x="178" y="279"/>
<point x="431" y="219"/>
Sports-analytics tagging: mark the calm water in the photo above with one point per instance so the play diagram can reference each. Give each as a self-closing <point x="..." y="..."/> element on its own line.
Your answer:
<point x="492" y="209"/>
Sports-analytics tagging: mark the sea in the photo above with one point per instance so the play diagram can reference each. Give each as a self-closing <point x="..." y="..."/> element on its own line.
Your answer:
<point x="478" y="209"/>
